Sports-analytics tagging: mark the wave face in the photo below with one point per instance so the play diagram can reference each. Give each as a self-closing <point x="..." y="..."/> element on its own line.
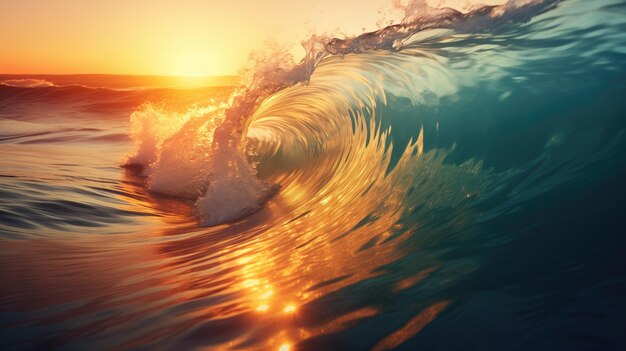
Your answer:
<point x="344" y="112"/>
<point x="453" y="181"/>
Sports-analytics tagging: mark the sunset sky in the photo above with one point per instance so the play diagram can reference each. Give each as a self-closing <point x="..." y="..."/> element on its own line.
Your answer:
<point x="167" y="37"/>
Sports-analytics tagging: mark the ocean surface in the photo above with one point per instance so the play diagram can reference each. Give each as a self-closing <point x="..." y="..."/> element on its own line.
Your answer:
<point x="451" y="182"/>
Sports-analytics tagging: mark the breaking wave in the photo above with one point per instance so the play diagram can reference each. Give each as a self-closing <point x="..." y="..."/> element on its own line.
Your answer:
<point x="352" y="119"/>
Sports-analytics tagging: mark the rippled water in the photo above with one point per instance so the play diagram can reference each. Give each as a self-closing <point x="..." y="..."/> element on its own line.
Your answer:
<point x="463" y="190"/>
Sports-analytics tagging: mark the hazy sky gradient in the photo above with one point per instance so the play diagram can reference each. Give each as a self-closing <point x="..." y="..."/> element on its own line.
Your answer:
<point x="168" y="37"/>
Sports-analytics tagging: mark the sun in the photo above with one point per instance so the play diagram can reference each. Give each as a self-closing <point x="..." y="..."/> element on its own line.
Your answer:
<point x="193" y="64"/>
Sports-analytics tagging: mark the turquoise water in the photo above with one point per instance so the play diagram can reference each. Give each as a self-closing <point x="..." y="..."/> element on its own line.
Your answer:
<point x="452" y="183"/>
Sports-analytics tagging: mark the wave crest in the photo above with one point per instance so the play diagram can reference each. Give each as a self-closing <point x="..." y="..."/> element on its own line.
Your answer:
<point x="27" y="83"/>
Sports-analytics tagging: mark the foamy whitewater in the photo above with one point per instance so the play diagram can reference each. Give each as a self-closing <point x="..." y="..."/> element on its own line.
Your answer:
<point x="454" y="181"/>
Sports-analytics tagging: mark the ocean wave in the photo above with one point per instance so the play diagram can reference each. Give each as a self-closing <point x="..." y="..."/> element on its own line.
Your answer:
<point x="27" y="83"/>
<point x="351" y="115"/>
